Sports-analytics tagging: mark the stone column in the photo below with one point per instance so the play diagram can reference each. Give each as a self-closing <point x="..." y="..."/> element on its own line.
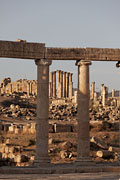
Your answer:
<point x="61" y="82"/>
<point x="51" y="84"/>
<point x="70" y="86"/>
<point x="103" y="98"/>
<point x="28" y="88"/>
<point x="64" y="84"/>
<point x="54" y="84"/>
<point x="58" y="85"/>
<point x="113" y="93"/>
<point x="92" y="90"/>
<point x="42" y="124"/>
<point x="95" y="97"/>
<point x="104" y="95"/>
<point x="50" y="95"/>
<point x="10" y="88"/>
<point x="67" y="84"/>
<point x="83" y="146"/>
<point x="75" y="97"/>
<point x="17" y="87"/>
<point x="31" y="88"/>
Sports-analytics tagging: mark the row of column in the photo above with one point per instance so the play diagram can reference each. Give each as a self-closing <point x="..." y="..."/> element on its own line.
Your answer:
<point x="61" y="86"/>
<point x="83" y="145"/>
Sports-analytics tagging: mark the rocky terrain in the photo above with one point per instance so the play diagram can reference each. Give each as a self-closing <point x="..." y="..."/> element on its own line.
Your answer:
<point x="17" y="131"/>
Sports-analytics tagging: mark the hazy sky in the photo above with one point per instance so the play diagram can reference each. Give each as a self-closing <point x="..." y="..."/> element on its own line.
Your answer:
<point x="62" y="23"/>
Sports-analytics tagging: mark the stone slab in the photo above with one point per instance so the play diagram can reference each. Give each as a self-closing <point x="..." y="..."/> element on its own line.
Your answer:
<point x="61" y="169"/>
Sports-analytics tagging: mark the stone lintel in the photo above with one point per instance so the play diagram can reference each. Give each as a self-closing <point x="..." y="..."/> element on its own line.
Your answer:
<point x="90" y="54"/>
<point x="22" y="50"/>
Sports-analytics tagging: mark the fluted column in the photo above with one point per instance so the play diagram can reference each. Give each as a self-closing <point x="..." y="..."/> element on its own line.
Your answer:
<point x="67" y="84"/>
<point x="51" y="84"/>
<point x="58" y="85"/>
<point x="41" y="156"/>
<point x="64" y="84"/>
<point x="61" y="82"/>
<point x="83" y="146"/>
<point x="70" y="86"/>
<point x="54" y="84"/>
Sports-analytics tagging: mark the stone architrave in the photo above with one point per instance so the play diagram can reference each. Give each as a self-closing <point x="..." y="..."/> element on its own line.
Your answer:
<point x="54" y="84"/>
<point x="70" y="86"/>
<point x="42" y="125"/>
<point x="83" y="146"/>
<point x="64" y="84"/>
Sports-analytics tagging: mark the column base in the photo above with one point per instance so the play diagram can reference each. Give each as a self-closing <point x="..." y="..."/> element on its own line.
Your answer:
<point x="43" y="161"/>
<point x="84" y="161"/>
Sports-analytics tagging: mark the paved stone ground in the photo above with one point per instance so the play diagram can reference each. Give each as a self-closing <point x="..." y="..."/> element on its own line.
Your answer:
<point x="77" y="176"/>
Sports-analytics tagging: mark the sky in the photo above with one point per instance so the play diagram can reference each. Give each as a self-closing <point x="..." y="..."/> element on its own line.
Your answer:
<point x="62" y="23"/>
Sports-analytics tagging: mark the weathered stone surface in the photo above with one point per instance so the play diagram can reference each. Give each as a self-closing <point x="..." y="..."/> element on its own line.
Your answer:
<point x="22" y="50"/>
<point x="103" y="54"/>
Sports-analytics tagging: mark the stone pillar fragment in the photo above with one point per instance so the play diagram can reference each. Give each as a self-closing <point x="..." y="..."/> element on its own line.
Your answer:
<point x="83" y="145"/>
<point x="42" y="125"/>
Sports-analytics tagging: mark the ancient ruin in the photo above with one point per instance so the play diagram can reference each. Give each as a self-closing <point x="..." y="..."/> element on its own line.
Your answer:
<point x="60" y="87"/>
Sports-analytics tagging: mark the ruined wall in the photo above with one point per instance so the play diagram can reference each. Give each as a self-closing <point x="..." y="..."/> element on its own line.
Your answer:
<point x="22" y="85"/>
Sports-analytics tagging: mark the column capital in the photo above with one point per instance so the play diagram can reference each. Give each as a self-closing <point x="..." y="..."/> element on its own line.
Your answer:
<point x="82" y="62"/>
<point x="118" y="64"/>
<point x="43" y="62"/>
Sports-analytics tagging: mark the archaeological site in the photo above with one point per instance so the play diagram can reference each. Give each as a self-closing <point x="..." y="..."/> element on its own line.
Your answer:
<point x="47" y="125"/>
